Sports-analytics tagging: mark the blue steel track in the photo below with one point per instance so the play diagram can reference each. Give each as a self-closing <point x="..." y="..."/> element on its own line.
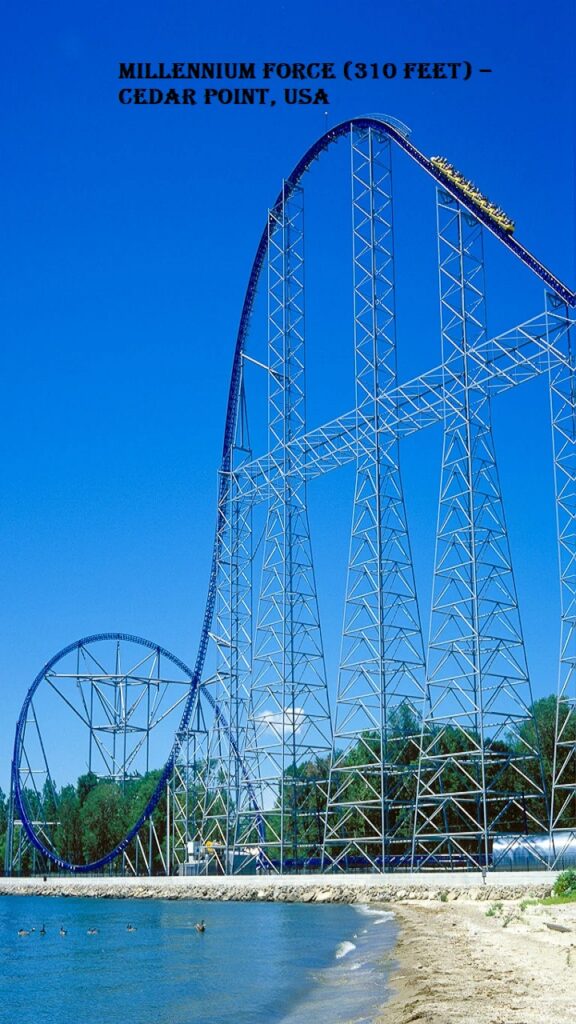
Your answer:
<point x="381" y="125"/>
<point x="166" y="771"/>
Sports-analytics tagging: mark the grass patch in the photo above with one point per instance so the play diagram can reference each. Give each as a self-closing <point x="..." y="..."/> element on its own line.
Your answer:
<point x="548" y="901"/>
<point x="527" y="903"/>
<point x="494" y="910"/>
<point x="557" y="901"/>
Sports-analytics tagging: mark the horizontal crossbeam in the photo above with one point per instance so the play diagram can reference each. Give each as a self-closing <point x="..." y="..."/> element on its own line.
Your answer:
<point x="496" y="365"/>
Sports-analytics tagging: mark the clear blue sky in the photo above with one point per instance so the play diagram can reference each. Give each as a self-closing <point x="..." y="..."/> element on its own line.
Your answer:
<point x="128" y="235"/>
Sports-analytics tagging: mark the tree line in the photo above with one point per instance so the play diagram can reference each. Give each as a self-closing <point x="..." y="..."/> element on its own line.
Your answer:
<point x="85" y="821"/>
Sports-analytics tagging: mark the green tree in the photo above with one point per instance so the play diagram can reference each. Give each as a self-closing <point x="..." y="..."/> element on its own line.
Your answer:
<point x="68" y="834"/>
<point x="3" y="828"/>
<point x="86" y="783"/>
<point x="104" y="820"/>
<point x="3" y="812"/>
<point x="540" y="730"/>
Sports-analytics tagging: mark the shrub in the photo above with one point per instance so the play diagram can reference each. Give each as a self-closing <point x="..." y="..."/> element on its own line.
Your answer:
<point x="494" y="910"/>
<point x="565" y="884"/>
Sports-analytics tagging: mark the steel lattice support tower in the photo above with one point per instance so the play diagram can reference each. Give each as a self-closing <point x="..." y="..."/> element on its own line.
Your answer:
<point x="380" y="692"/>
<point x="248" y="767"/>
<point x="479" y="773"/>
<point x="290" y="737"/>
<point x="223" y="788"/>
<point x="562" y="378"/>
<point x="188" y="791"/>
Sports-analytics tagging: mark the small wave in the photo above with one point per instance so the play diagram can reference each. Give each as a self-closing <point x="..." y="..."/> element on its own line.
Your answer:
<point x="344" y="948"/>
<point x="384" y="915"/>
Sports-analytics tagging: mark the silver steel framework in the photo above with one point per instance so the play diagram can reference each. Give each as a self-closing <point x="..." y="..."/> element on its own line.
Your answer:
<point x="562" y="377"/>
<point x="443" y="773"/>
<point x="115" y="699"/>
<point x="289" y="737"/>
<point x="419" y="775"/>
<point x="479" y="773"/>
<point x="226" y="795"/>
<point x="380" y="692"/>
<point x="502" y="362"/>
<point x="189" y="786"/>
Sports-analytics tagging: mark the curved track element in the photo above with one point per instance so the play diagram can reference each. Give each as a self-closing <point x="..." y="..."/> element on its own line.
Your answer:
<point x="129" y="708"/>
<point x="398" y="135"/>
<point x="388" y="128"/>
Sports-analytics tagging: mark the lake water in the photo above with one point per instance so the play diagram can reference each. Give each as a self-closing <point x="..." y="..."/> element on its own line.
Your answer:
<point x="256" y="963"/>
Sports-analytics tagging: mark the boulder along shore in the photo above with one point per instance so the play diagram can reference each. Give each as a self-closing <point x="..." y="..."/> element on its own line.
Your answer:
<point x="361" y="888"/>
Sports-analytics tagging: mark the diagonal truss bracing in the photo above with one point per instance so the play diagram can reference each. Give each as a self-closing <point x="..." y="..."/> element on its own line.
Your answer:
<point x="289" y="739"/>
<point x="222" y="784"/>
<point x="188" y="791"/>
<point x="479" y="771"/>
<point x="498" y="364"/>
<point x="563" y="417"/>
<point x="371" y="792"/>
<point x="250" y="788"/>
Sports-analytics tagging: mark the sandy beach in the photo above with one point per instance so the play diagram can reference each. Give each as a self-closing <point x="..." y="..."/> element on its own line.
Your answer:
<point x="455" y="963"/>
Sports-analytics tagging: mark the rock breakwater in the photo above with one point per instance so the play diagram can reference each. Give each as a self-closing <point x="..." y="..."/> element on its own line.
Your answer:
<point x="304" y="889"/>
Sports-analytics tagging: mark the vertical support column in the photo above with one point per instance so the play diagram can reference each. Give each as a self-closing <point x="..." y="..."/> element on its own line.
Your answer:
<point x="11" y="810"/>
<point x="563" y="416"/>
<point x="233" y="638"/>
<point x="289" y="730"/>
<point x="380" y="690"/>
<point x="481" y="772"/>
<point x="188" y="796"/>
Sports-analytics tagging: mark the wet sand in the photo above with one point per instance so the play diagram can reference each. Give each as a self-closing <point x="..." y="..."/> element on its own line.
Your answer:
<point x="454" y="964"/>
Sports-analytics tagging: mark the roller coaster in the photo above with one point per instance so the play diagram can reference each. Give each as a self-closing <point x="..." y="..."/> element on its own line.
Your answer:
<point x="426" y="759"/>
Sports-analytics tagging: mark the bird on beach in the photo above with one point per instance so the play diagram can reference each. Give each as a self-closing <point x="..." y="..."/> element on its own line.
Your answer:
<point x="200" y="926"/>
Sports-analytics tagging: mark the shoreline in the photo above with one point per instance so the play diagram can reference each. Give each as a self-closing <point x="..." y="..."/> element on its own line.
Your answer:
<point x="361" y="888"/>
<point x="465" y="949"/>
<point x="453" y="962"/>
